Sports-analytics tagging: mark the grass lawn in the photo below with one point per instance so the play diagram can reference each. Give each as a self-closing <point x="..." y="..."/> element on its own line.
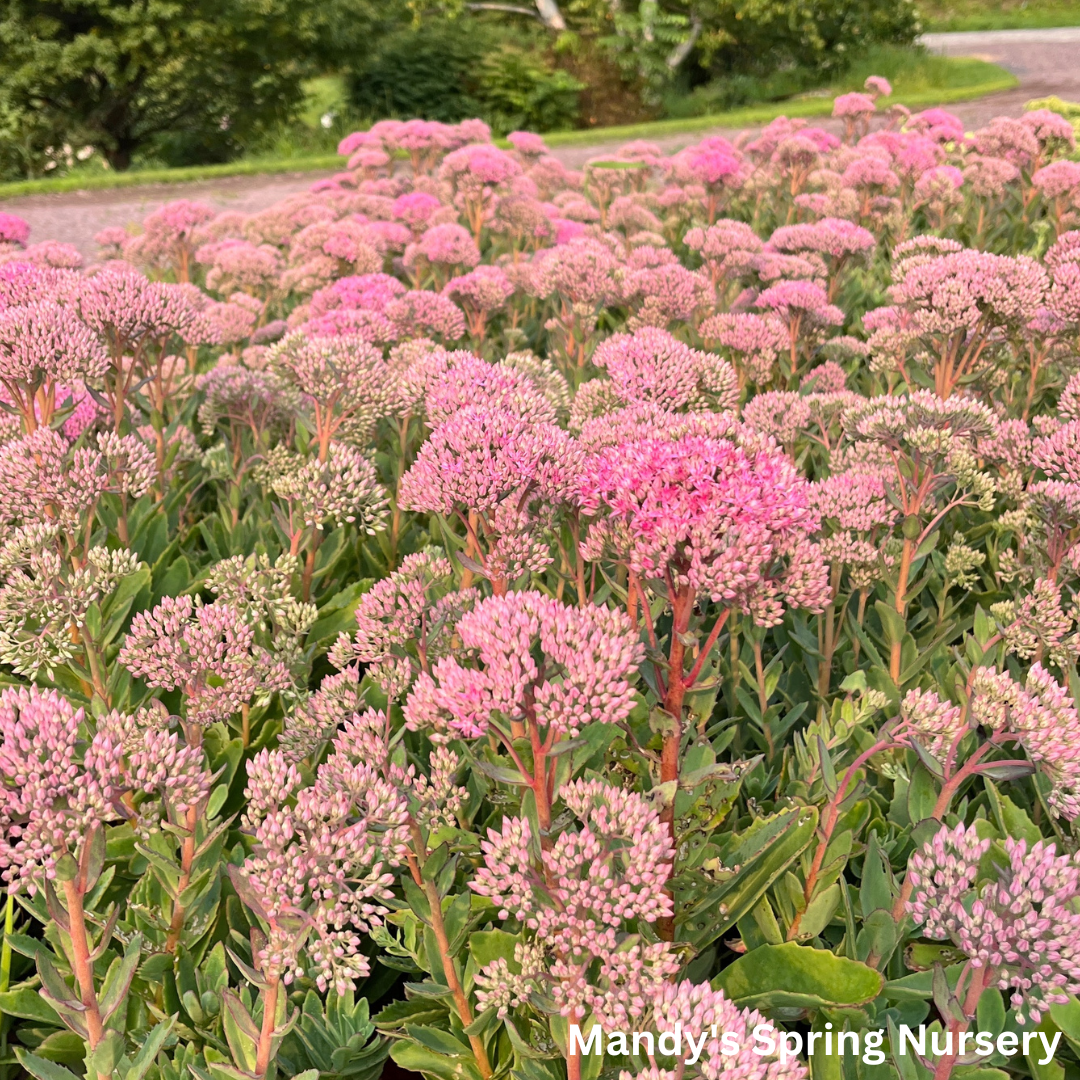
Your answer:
<point x="998" y="14"/>
<point x="919" y="80"/>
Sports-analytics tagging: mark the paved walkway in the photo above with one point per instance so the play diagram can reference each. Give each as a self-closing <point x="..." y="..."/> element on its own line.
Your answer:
<point x="1045" y="61"/>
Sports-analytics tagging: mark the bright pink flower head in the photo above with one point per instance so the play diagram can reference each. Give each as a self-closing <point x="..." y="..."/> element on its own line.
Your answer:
<point x="717" y="516"/>
<point x="22" y="283"/>
<point x="527" y="143"/>
<point x="447" y="245"/>
<point x="415" y="208"/>
<point x="716" y="166"/>
<point x="13" y="230"/>
<point x="168" y="235"/>
<point x="870" y="172"/>
<point x="726" y="246"/>
<point x="755" y="341"/>
<point x="421" y="313"/>
<point x="667" y="293"/>
<point x="835" y="237"/>
<point x="581" y="270"/>
<point x="467" y="381"/>
<point x="364" y="292"/>
<point x="878" y="86"/>
<point x="1058" y="179"/>
<point x="48" y="253"/>
<point x="485" y="289"/>
<point x="480" y="456"/>
<point x="792" y="299"/>
<point x="353" y="142"/>
<point x="478" y="167"/>
<point x="917" y="154"/>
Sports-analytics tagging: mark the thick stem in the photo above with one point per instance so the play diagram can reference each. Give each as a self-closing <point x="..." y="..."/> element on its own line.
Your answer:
<point x="828" y="827"/>
<point x="907" y="557"/>
<point x="682" y="604"/>
<point x="94" y="664"/>
<point x="187" y="857"/>
<point x="266" y="1032"/>
<point x="438" y="927"/>
<point x="187" y="860"/>
<point x="309" y="565"/>
<point x="81" y="964"/>
<point x="573" y="1063"/>
<point x="829" y="635"/>
<point x="759" y="673"/>
<point x="980" y="977"/>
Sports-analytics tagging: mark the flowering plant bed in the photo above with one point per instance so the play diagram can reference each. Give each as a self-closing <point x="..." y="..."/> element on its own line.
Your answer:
<point x="536" y="623"/>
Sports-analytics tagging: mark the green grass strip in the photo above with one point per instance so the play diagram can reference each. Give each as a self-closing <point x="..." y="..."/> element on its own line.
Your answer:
<point x="736" y="118"/>
<point x="187" y="175"/>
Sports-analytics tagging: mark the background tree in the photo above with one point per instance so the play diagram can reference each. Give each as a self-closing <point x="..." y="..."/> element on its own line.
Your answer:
<point x="182" y="80"/>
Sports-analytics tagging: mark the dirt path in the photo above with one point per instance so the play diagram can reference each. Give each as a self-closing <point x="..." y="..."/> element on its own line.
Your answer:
<point x="1045" y="62"/>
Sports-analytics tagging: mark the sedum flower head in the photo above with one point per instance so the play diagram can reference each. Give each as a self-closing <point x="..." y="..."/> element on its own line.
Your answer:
<point x="321" y="866"/>
<point x="1020" y="925"/>
<point x="404" y="622"/>
<point x="207" y="651"/>
<point x="652" y="365"/>
<point x="1042" y="716"/>
<point x="526" y="657"/>
<point x="731" y="522"/>
<point x="696" y="1008"/>
<point x="344" y="489"/>
<point x="578" y="902"/>
<point x="55" y="784"/>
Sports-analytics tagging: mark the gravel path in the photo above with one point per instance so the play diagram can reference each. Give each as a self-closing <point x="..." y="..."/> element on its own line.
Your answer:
<point x="1045" y="62"/>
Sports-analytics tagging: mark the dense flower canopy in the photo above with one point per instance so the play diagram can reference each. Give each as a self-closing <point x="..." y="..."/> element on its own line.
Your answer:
<point x="475" y="596"/>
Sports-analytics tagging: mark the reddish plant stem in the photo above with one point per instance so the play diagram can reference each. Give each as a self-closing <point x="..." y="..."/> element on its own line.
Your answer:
<point x="266" y="1032"/>
<point x="438" y="928"/>
<point x="829" y="825"/>
<point x="193" y="735"/>
<point x="81" y="964"/>
<point x="980" y="978"/>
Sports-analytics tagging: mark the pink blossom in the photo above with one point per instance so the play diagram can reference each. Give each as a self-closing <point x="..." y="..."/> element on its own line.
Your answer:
<point x="206" y="651"/>
<point x="538" y="662"/>
<point x="716" y="516"/>
<point x="1019" y="929"/>
<point x="13" y="230"/>
<point x="938" y="124"/>
<point x="53" y="793"/>
<point x="651" y="365"/>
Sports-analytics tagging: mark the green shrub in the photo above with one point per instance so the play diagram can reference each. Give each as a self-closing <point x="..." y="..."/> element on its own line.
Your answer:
<point x="451" y="69"/>
<point x="518" y="91"/>
<point x="761" y="36"/>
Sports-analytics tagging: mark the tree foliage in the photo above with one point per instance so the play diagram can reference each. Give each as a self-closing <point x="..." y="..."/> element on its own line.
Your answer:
<point x="187" y="80"/>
